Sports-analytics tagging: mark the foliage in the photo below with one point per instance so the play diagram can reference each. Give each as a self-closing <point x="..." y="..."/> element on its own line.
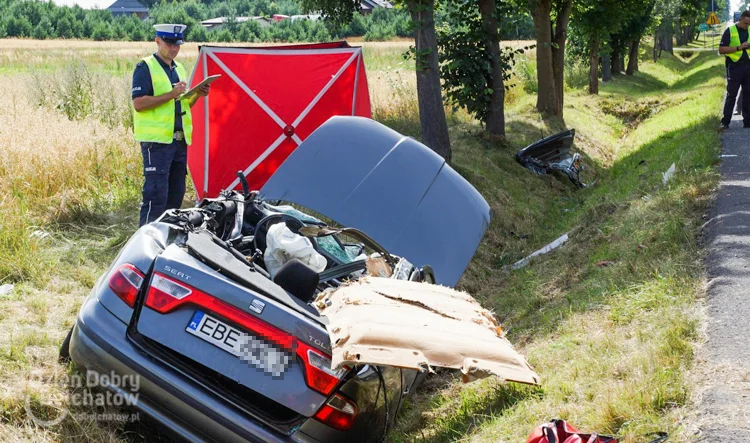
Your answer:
<point x="44" y="20"/>
<point x="634" y="19"/>
<point x="466" y="63"/>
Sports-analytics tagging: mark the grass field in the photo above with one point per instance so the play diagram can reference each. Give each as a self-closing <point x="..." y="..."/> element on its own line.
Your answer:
<point x="610" y="321"/>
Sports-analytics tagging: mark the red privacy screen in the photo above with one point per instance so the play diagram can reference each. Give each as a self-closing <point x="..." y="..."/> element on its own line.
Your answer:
<point x="264" y="105"/>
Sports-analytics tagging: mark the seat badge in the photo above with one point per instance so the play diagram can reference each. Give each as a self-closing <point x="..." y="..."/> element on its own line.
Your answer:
<point x="257" y="306"/>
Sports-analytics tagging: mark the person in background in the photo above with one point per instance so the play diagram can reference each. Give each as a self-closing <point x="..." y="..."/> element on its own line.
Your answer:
<point x="734" y="46"/>
<point x="162" y="123"/>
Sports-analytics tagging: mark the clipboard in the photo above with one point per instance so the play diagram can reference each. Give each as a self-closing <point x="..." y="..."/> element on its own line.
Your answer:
<point x="206" y="81"/>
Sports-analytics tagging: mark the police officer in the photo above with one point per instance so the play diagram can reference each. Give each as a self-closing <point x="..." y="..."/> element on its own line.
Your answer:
<point x="162" y="123"/>
<point x="734" y="45"/>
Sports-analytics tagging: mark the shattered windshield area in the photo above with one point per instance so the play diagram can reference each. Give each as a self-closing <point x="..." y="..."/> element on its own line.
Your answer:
<point x="345" y="253"/>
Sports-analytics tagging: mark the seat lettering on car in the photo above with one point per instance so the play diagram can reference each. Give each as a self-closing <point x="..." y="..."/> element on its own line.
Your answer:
<point x="318" y="342"/>
<point x="177" y="273"/>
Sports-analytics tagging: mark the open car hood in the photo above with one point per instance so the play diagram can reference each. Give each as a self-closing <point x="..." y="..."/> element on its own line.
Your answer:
<point x="398" y="191"/>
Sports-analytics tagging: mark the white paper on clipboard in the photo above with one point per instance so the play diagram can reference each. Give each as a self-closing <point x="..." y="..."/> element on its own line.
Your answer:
<point x="206" y="81"/>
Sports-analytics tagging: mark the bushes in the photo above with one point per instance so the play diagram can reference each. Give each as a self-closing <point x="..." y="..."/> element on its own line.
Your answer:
<point x="44" y="20"/>
<point x="76" y="93"/>
<point x="380" y="25"/>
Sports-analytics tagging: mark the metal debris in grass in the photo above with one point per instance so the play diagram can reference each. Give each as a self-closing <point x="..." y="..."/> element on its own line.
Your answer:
<point x="604" y="263"/>
<point x="546" y="249"/>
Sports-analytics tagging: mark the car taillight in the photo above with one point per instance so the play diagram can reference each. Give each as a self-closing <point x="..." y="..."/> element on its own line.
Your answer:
<point x="126" y="281"/>
<point x="318" y="373"/>
<point x="338" y="412"/>
<point x="165" y="295"/>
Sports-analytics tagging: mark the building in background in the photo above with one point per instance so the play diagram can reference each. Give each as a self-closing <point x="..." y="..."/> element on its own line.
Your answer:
<point x="367" y="6"/>
<point x="219" y="22"/>
<point x="122" y="8"/>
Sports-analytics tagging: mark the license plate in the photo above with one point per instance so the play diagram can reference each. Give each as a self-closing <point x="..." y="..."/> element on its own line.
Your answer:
<point x="247" y="347"/>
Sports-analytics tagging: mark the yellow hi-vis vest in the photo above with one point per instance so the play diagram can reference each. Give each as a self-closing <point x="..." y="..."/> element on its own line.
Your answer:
<point x="157" y="124"/>
<point x="734" y="41"/>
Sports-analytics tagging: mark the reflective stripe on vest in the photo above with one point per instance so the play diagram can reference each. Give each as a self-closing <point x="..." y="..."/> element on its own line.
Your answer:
<point x="734" y="41"/>
<point x="157" y="124"/>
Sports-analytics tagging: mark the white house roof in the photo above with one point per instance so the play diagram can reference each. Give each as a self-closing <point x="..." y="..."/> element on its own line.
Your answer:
<point x="222" y="20"/>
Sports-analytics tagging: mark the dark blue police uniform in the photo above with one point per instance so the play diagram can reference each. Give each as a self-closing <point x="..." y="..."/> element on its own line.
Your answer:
<point x="164" y="165"/>
<point x="738" y="75"/>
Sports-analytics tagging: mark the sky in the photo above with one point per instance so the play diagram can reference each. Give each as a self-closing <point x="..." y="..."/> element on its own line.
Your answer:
<point x="86" y="4"/>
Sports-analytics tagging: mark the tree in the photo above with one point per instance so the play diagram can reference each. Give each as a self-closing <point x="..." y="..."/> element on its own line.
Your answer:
<point x="18" y="27"/>
<point x="633" y="30"/>
<point x="43" y="29"/>
<point x="431" y="111"/>
<point x="472" y="65"/>
<point x="610" y="39"/>
<point x="665" y="13"/>
<point x="495" y="120"/>
<point x="101" y="32"/>
<point x="551" y="19"/>
<point x="586" y="20"/>
<point x="64" y="28"/>
<point x="429" y="96"/>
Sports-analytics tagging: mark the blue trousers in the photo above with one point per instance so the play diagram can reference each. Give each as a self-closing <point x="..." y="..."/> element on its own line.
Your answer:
<point x="164" y="172"/>
<point x="738" y="75"/>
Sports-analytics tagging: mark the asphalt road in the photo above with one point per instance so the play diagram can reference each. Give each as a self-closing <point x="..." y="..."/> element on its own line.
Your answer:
<point x="725" y="360"/>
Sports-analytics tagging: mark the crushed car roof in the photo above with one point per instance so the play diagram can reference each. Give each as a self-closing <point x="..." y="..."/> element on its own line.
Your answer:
<point x="418" y="325"/>
<point x="398" y="191"/>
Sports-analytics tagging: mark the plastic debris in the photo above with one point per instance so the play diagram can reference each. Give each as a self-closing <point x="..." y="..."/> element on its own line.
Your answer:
<point x="549" y="247"/>
<point x="40" y="234"/>
<point x="6" y="289"/>
<point x="666" y="176"/>
<point x="553" y="154"/>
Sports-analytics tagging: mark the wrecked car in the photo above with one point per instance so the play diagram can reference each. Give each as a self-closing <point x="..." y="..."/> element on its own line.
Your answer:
<point x="249" y="318"/>
<point x="552" y="154"/>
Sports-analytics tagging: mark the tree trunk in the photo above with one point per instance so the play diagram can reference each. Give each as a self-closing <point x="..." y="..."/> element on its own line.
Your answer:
<point x="682" y="34"/>
<point x="606" y="69"/>
<point x="564" y="8"/>
<point x="546" y="102"/>
<point x="495" y="121"/>
<point x="594" y="66"/>
<point x="633" y="57"/>
<point x="429" y="96"/>
<point x="615" y="59"/>
<point x="657" y="43"/>
<point x="666" y="43"/>
<point x="618" y="56"/>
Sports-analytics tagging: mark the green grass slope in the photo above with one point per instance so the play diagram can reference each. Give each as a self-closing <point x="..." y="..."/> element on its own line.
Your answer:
<point x="609" y="321"/>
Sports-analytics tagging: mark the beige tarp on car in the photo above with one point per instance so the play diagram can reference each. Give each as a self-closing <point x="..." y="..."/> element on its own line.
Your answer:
<point x="418" y="325"/>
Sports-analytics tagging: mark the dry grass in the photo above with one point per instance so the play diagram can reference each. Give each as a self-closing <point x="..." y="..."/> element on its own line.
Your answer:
<point x="53" y="171"/>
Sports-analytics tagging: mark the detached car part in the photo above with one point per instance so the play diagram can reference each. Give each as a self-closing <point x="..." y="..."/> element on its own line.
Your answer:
<point x="553" y="154"/>
<point x="418" y="325"/>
